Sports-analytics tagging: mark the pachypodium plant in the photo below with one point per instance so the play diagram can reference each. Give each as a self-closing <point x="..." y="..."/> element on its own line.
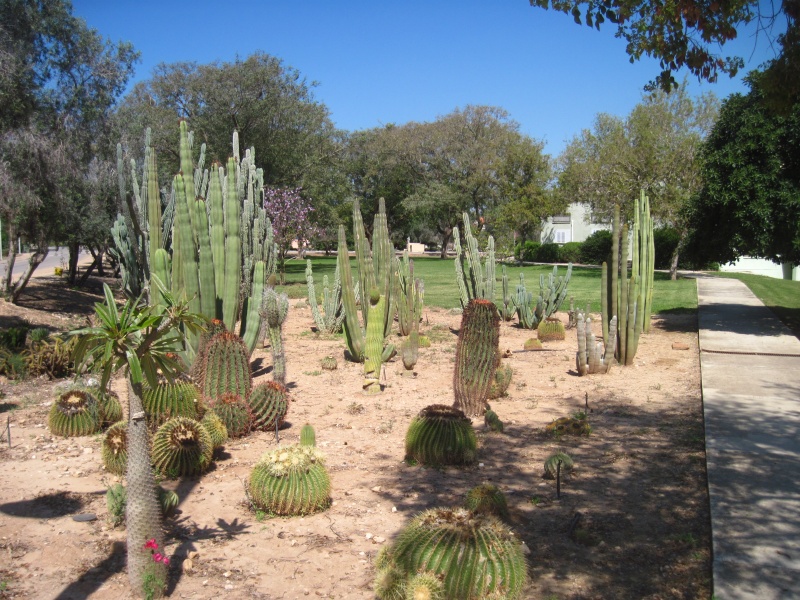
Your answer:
<point x="274" y="309"/>
<point x="329" y="315"/>
<point x="475" y="280"/>
<point x="473" y="555"/>
<point x="552" y="293"/>
<point x="476" y="356"/>
<point x="594" y="356"/>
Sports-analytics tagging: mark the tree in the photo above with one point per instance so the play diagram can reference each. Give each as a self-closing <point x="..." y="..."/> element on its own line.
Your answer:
<point x="290" y="214"/>
<point x="750" y="199"/>
<point x="138" y="340"/>
<point x="653" y="149"/>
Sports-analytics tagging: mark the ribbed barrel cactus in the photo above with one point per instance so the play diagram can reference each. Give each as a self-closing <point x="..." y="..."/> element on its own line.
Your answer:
<point x="476" y="355"/>
<point x="441" y="435"/>
<point x="108" y="406"/>
<point x="234" y="412"/>
<point x="502" y="379"/>
<point x="550" y="330"/>
<point x="182" y="447"/>
<point x="225" y="368"/>
<point x="114" y="451"/>
<point x="74" y="413"/>
<point x="487" y="498"/>
<point x="167" y="400"/>
<point x="291" y="480"/>
<point x="474" y="556"/>
<point x="329" y="363"/>
<point x="269" y="404"/>
<point x="308" y="436"/>
<point x="556" y="461"/>
<point x="215" y="428"/>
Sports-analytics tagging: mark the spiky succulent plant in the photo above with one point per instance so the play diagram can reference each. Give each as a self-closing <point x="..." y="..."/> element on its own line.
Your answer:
<point x="181" y="447"/>
<point x="487" y="498"/>
<point x="441" y="435"/>
<point x="502" y="379"/>
<point x="550" y="330"/>
<point x="291" y="480"/>
<point x="532" y="344"/>
<point x="170" y="399"/>
<point x="215" y="427"/>
<point x="329" y="363"/>
<point x="551" y="465"/>
<point x="234" y="413"/>
<point x="115" y="448"/>
<point x="492" y="421"/>
<point x="74" y="413"/>
<point x="307" y="436"/>
<point x="269" y="403"/>
<point x="474" y="556"/>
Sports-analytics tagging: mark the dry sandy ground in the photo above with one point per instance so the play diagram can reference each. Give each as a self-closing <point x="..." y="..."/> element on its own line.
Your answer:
<point x="632" y="521"/>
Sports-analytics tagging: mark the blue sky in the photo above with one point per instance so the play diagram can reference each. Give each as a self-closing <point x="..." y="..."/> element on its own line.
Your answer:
<point x="379" y="62"/>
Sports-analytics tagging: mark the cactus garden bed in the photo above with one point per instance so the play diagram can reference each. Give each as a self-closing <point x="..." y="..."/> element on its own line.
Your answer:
<point x="632" y="520"/>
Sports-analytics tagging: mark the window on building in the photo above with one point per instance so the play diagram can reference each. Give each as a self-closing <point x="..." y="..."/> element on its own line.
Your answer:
<point x="561" y="236"/>
<point x="561" y="220"/>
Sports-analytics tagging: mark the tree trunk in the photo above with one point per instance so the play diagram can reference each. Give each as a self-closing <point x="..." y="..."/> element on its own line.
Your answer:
<point x="447" y="235"/>
<point x="143" y="514"/>
<point x="12" y="257"/>
<point x="74" y="252"/>
<point x="98" y="259"/>
<point x="673" y="266"/>
<point x="36" y="259"/>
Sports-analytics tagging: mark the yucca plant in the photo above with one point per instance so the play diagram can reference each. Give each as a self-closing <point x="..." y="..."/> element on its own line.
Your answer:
<point x="441" y="435"/>
<point x="182" y="447"/>
<point x="290" y="480"/>
<point x="74" y="413"/>
<point x="473" y="555"/>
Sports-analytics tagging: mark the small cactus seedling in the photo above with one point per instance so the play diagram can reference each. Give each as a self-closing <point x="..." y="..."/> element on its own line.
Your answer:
<point x="235" y="414"/>
<point x="532" y="344"/>
<point x="215" y="428"/>
<point x="502" y="379"/>
<point x="550" y="330"/>
<point x="551" y="464"/>
<point x="307" y="436"/>
<point x="472" y="555"/>
<point x="74" y="413"/>
<point x="115" y="448"/>
<point x="269" y="404"/>
<point x="291" y="480"/>
<point x="329" y="363"/>
<point x="441" y="435"/>
<point x="487" y="499"/>
<point x="182" y="447"/>
<point x="492" y="421"/>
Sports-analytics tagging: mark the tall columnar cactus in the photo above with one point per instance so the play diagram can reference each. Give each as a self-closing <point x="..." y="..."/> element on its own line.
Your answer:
<point x="328" y="316"/>
<point x="552" y="293"/>
<point x="291" y="480"/>
<point x="373" y="351"/>
<point x="476" y="356"/>
<point x="508" y="309"/>
<point x="473" y="555"/>
<point x="409" y="351"/>
<point x="410" y="293"/>
<point x="225" y="368"/>
<point x="374" y="271"/>
<point x="475" y="280"/>
<point x="594" y="356"/>
<point x="629" y="299"/>
<point x="269" y="403"/>
<point x="275" y="307"/>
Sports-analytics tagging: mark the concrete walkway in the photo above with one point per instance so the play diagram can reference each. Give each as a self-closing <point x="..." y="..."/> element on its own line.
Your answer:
<point x="752" y="419"/>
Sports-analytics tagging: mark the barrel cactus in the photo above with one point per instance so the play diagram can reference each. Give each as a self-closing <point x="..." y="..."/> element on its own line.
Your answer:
<point x="115" y="448"/>
<point x="441" y="435"/>
<point x="307" y="436"/>
<point x="214" y="327"/>
<point x="551" y="465"/>
<point x="550" y="330"/>
<point x="502" y="379"/>
<point x="109" y="407"/>
<point x="492" y="421"/>
<point x="167" y="400"/>
<point x="74" y="413"/>
<point x="290" y="480"/>
<point x="329" y="363"/>
<point x="215" y="428"/>
<point x="473" y="555"/>
<point x="269" y="404"/>
<point x="532" y="344"/>
<point x="569" y="425"/>
<point x="487" y="499"/>
<point x="182" y="447"/>
<point x="225" y="368"/>
<point x="476" y="355"/>
<point x="235" y="414"/>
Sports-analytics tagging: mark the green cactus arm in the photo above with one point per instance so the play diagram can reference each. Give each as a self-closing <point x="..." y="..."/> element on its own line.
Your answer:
<point x="475" y="271"/>
<point x="354" y="336"/>
<point x="187" y="170"/>
<point x="312" y="298"/>
<point x="217" y="236"/>
<point x="253" y="318"/>
<point x="489" y="282"/>
<point x="153" y="203"/>
<point x="581" y="360"/>
<point x="461" y="278"/>
<point x="208" y="295"/>
<point x="373" y="349"/>
<point x="233" y="250"/>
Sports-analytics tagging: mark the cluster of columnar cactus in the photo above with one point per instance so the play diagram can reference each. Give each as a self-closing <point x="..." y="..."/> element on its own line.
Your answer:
<point x="476" y="355"/>
<point x="594" y="356"/>
<point x="329" y="315"/>
<point x="552" y="293"/>
<point x="475" y="280"/>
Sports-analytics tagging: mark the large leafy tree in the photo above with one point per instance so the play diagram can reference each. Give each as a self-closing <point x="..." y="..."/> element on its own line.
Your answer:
<point x="654" y="149"/>
<point x="749" y="203"/>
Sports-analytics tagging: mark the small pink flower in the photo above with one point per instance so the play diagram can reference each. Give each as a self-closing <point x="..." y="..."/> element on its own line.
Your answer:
<point x="165" y="560"/>
<point x="151" y="544"/>
<point x="157" y="557"/>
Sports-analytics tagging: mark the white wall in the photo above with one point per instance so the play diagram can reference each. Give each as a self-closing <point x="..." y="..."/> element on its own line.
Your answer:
<point x="758" y="266"/>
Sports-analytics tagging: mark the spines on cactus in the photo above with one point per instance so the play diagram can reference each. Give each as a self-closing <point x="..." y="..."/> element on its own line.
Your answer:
<point x="108" y="406"/>
<point x="441" y="435"/>
<point x="74" y="413"/>
<point x="502" y="379"/>
<point x="117" y="500"/>
<point x="167" y="400"/>
<point x="182" y="447"/>
<point x="114" y="451"/>
<point x="307" y="436"/>
<point x="550" y="330"/>
<point x="290" y="480"/>
<point x="594" y="356"/>
<point x="235" y="413"/>
<point x="328" y="316"/>
<point x="476" y="353"/>
<point x="215" y="428"/>
<point x="487" y="499"/>
<point x="475" y="280"/>
<point x="269" y="404"/>
<point x="473" y="555"/>
<point x="492" y="421"/>
<point x="558" y="460"/>
<point x="329" y="363"/>
<point x="225" y="368"/>
<point x="275" y="307"/>
<point x="424" y="586"/>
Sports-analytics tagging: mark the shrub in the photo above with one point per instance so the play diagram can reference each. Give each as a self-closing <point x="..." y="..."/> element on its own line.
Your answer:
<point x="596" y="249"/>
<point x="665" y="239"/>
<point x="547" y="253"/>
<point x="570" y="252"/>
<point x="527" y="251"/>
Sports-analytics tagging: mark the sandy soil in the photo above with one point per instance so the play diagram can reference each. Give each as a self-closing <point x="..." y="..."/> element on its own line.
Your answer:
<point x="632" y="520"/>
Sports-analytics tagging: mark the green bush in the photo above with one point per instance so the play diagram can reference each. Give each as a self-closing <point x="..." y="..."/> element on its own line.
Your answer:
<point x="596" y="249"/>
<point x="665" y="239"/>
<point x="570" y="252"/>
<point x="527" y="252"/>
<point x="547" y="253"/>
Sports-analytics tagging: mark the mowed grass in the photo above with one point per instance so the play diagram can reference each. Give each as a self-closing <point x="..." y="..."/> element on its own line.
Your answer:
<point x="441" y="289"/>
<point x="781" y="295"/>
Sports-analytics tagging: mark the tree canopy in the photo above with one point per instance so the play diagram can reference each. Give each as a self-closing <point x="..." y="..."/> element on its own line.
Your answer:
<point x="750" y="199"/>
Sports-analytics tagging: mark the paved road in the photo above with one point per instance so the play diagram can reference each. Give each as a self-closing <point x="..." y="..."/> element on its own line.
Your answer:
<point x="55" y="258"/>
<point x="751" y="397"/>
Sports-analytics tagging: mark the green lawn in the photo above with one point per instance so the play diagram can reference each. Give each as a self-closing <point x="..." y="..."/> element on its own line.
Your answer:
<point x="781" y="295"/>
<point x="441" y="289"/>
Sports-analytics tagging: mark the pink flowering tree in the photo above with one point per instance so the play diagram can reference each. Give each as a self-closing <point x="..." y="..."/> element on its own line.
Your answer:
<point x="290" y="214"/>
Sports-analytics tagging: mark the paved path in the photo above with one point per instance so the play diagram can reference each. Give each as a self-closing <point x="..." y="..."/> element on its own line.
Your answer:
<point x="752" y="418"/>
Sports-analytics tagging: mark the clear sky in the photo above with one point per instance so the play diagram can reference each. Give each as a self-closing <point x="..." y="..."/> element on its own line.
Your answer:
<point x="379" y="62"/>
